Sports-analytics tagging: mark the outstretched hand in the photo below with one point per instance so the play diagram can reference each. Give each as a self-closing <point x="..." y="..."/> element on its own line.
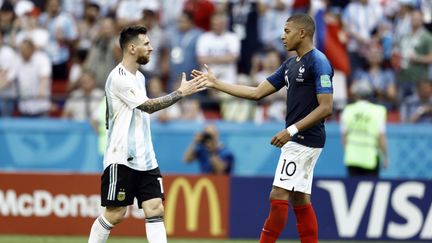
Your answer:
<point x="280" y="139"/>
<point x="211" y="78"/>
<point x="192" y="86"/>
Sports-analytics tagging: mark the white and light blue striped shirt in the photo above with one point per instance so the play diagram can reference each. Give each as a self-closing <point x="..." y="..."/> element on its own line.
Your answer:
<point x="129" y="138"/>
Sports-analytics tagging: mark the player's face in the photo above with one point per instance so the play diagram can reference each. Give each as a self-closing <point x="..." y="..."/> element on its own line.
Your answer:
<point x="142" y="49"/>
<point x="291" y="36"/>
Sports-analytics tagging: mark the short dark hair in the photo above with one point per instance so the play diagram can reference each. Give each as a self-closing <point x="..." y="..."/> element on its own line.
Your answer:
<point x="131" y="33"/>
<point x="305" y="21"/>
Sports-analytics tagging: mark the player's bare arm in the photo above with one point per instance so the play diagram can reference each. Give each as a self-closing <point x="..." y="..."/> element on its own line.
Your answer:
<point x="241" y="91"/>
<point x="160" y="103"/>
<point x="186" y="88"/>
<point x="323" y="110"/>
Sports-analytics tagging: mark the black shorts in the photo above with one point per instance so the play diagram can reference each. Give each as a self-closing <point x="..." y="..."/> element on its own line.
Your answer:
<point x="121" y="184"/>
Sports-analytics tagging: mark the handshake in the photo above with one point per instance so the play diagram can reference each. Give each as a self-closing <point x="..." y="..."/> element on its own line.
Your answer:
<point x="200" y="81"/>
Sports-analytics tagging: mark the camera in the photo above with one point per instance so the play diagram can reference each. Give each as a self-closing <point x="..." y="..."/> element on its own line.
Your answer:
<point x="206" y="137"/>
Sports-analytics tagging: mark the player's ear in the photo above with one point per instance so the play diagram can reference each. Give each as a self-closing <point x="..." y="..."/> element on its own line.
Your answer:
<point x="131" y="48"/>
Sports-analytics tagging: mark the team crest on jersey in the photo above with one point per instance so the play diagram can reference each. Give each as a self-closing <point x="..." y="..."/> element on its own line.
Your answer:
<point x="300" y="74"/>
<point x="121" y="195"/>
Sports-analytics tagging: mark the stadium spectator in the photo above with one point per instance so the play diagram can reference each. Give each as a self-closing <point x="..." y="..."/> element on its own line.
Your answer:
<point x="159" y="63"/>
<point x="83" y="102"/>
<point x="62" y="35"/>
<point x="360" y="18"/>
<point x="88" y="27"/>
<point x="363" y="126"/>
<point x="331" y="39"/>
<point x="182" y="41"/>
<point x="130" y="12"/>
<point x="212" y="156"/>
<point x="220" y="49"/>
<point x="382" y="80"/>
<point x="7" y="20"/>
<point x="8" y="72"/>
<point x="130" y="167"/>
<point x="418" y="107"/>
<point x="273" y="107"/>
<point x="104" y="53"/>
<point x="272" y="17"/>
<point x="239" y="110"/>
<point x="27" y="27"/>
<point x="416" y="56"/>
<point x="34" y="81"/>
<point x="243" y="17"/>
<point x="202" y="10"/>
<point x="308" y="78"/>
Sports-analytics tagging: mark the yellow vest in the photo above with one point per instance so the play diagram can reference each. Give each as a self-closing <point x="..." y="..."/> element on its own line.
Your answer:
<point x="362" y="122"/>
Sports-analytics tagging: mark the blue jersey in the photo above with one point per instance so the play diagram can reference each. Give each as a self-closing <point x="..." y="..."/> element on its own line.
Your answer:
<point x="304" y="79"/>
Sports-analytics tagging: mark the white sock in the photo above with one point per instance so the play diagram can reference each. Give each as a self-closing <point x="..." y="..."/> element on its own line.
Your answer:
<point x="155" y="230"/>
<point x="100" y="230"/>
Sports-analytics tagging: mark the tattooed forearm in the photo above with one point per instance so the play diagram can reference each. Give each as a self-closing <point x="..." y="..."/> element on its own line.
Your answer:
<point x="160" y="103"/>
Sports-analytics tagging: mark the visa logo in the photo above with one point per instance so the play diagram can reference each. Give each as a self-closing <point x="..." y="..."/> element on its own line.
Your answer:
<point x="406" y="199"/>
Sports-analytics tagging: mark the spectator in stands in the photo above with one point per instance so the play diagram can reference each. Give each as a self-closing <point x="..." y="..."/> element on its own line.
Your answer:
<point x="83" y="102"/>
<point x="7" y="19"/>
<point x="104" y="53"/>
<point x="243" y="17"/>
<point x="272" y="19"/>
<point x="416" y="56"/>
<point x="273" y="107"/>
<point x="331" y="39"/>
<point x="214" y="158"/>
<point x="159" y="57"/>
<point x="239" y="110"/>
<point x="418" y="107"/>
<point x="129" y="12"/>
<point x="8" y="70"/>
<point x="88" y="27"/>
<point x="34" y="81"/>
<point x="360" y="18"/>
<point x="220" y="49"/>
<point x="381" y="80"/>
<point x="63" y="33"/>
<point x="182" y="42"/>
<point x="363" y="133"/>
<point x="27" y="27"/>
<point x="202" y="10"/>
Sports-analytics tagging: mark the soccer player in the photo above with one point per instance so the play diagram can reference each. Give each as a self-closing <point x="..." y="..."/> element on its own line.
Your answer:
<point x="308" y="80"/>
<point x="130" y="167"/>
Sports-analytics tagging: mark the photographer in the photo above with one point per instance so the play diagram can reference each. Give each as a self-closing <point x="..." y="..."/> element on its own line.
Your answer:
<point x="213" y="157"/>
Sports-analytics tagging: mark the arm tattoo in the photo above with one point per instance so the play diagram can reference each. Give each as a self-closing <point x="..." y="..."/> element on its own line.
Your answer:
<point x="160" y="103"/>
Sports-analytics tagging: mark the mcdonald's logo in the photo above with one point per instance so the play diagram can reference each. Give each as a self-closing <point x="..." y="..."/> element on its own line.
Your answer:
<point x="194" y="192"/>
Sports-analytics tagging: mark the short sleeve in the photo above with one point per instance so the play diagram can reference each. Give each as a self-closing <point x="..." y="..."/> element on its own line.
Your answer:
<point x="323" y="76"/>
<point x="128" y="92"/>
<point x="277" y="79"/>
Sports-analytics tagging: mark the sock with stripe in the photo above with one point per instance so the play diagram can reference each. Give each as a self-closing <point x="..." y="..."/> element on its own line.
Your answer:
<point x="155" y="230"/>
<point x="307" y="225"/>
<point x="275" y="222"/>
<point x="100" y="230"/>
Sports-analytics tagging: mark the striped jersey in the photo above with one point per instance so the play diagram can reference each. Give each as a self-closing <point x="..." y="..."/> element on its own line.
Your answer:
<point x="129" y="139"/>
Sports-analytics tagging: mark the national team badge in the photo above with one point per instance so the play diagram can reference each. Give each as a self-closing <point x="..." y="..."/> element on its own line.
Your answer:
<point x="325" y="81"/>
<point x="121" y="195"/>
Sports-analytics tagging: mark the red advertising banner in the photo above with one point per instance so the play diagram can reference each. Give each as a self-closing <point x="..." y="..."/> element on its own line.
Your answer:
<point x="67" y="204"/>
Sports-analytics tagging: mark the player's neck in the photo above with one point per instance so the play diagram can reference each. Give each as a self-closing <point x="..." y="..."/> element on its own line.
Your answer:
<point x="303" y="49"/>
<point x="130" y="65"/>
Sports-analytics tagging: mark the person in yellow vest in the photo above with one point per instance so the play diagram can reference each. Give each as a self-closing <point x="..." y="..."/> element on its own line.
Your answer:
<point x="363" y="126"/>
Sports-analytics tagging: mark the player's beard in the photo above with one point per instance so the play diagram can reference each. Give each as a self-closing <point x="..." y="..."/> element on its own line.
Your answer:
<point x="142" y="60"/>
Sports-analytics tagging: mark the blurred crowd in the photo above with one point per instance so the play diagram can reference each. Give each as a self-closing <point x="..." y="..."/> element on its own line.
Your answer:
<point x="55" y="55"/>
